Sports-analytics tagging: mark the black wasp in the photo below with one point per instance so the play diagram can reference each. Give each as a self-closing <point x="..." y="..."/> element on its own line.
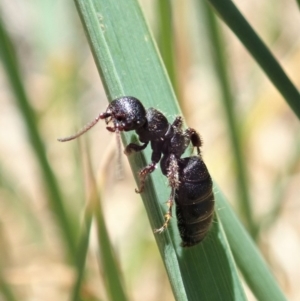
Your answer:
<point x="189" y="179"/>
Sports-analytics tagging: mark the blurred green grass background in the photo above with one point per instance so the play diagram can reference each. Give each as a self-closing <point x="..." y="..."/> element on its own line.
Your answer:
<point x="64" y="90"/>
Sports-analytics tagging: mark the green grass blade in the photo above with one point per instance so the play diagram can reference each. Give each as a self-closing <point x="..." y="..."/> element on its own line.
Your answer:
<point x="111" y="272"/>
<point x="9" y="61"/>
<point x="108" y="261"/>
<point x="5" y="290"/>
<point x="129" y="65"/>
<point x="18" y="200"/>
<point x="165" y="39"/>
<point x="82" y="252"/>
<point x="109" y="264"/>
<point x="247" y="256"/>
<point x="219" y="62"/>
<point x="238" y="24"/>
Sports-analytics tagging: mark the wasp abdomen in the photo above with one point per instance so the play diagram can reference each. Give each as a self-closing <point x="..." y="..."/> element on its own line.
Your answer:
<point x="195" y="201"/>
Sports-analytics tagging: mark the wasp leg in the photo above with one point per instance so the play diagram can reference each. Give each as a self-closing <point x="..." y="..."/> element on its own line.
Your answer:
<point x="192" y="135"/>
<point x="178" y="123"/>
<point x="132" y="147"/>
<point x="173" y="178"/>
<point x="143" y="176"/>
<point x="168" y="215"/>
<point x="156" y="155"/>
<point x="195" y="139"/>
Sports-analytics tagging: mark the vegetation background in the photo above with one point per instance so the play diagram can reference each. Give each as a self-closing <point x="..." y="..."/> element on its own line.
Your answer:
<point x="65" y="92"/>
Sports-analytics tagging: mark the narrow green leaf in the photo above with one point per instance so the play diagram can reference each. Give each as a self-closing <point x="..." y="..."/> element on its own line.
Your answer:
<point x="82" y="251"/>
<point x="18" y="201"/>
<point x="5" y="290"/>
<point x="238" y="24"/>
<point x="129" y="65"/>
<point x="111" y="271"/>
<point x="10" y="63"/>
<point x="109" y="265"/>
<point x="247" y="256"/>
<point x="165" y="38"/>
<point x="219" y="61"/>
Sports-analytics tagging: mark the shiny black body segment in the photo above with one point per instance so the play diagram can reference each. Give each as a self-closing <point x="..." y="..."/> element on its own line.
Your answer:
<point x="189" y="179"/>
<point x="194" y="201"/>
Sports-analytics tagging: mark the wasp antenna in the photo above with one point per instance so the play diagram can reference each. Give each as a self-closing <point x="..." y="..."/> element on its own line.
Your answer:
<point x="84" y="130"/>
